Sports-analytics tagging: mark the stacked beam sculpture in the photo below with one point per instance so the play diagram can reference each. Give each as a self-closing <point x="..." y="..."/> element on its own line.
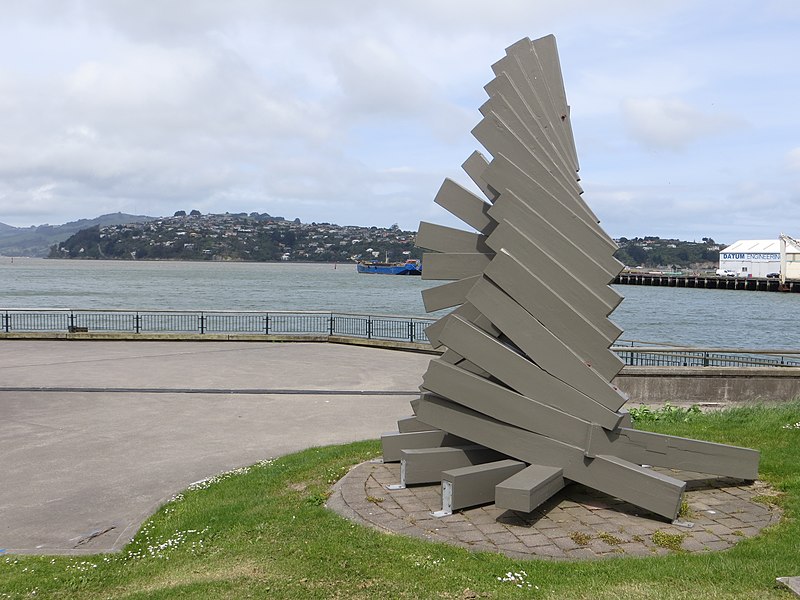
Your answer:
<point x="521" y="402"/>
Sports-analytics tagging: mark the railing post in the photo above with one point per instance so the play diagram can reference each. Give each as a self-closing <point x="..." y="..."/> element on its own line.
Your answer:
<point x="369" y="327"/>
<point x="136" y="323"/>
<point x="71" y="326"/>
<point x="6" y="321"/>
<point x="411" y="330"/>
<point x="266" y="324"/>
<point x="202" y="323"/>
<point x="705" y="359"/>
<point x="332" y="324"/>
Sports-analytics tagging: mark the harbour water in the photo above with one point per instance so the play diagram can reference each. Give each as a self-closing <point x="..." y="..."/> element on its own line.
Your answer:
<point x="684" y="316"/>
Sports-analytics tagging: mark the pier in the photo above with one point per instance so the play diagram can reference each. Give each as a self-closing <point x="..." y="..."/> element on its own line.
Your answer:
<point x="714" y="282"/>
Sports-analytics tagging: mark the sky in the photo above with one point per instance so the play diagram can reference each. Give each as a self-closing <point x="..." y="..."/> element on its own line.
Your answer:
<point x="685" y="113"/>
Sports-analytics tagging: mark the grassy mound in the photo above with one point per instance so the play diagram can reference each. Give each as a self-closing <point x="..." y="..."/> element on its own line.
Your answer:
<point x="263" y="532"/>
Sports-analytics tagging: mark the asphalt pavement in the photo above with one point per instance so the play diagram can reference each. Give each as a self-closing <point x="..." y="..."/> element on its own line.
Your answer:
<point x="95" y="435"/>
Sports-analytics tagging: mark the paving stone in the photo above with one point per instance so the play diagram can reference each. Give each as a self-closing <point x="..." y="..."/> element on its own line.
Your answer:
<point x="692" y="545"/>
<point x="720" y="545"/>
<point x="719" y="529"/>
<point x="591" y="519"/>
<point x="481" y="517"/>
<point x="471" y="536"/>
<point x="547" y="524"/>
<point x="515" y="547"/>
<point x="635" y="549"/>
<point x="565" y="543"/>
<point x="535" y="539"/>
<point x="751" y="517"/>
<point x="582" y="552"/>
<point x="705" y="536"/>
<point x="503" y="537"/>
<point x="491" y="528"/>
<point x="551" y="551"/>
<point x="461" y="526"/>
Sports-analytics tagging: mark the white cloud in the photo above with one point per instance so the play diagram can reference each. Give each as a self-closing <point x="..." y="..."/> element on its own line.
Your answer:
<point x="671" y="124"/>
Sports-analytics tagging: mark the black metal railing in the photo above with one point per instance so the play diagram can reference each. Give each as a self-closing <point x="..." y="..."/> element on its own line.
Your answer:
<point x="377" y="327"/>
<point x="299" y="323"/>
<point x="648" y="354"/>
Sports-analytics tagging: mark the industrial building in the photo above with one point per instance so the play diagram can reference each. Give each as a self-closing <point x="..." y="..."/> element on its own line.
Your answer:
<point x="759" y="258"/>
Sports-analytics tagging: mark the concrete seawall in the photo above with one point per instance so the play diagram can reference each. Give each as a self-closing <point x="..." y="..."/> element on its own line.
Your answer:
<point x="709" y="385"/>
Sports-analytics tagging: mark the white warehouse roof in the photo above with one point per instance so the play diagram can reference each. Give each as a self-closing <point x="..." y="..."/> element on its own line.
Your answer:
<point x="760" y="247"/>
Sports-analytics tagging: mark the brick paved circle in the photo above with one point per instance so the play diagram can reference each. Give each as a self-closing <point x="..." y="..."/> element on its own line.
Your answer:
<point x="576" y="523"/>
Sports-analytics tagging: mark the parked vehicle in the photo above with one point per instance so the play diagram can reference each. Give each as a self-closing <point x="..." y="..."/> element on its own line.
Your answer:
<point x="726" y="273"/>
<point x="773" y="275"/>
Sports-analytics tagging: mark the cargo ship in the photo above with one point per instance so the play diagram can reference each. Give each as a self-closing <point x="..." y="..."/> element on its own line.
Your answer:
<point x="412" y="266"/>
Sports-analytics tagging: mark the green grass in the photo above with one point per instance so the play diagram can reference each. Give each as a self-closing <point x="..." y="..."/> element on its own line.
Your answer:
<point x="265" y="534"/>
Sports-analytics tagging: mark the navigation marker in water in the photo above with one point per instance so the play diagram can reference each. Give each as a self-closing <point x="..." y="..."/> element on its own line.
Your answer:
<point x="522" y="401"/>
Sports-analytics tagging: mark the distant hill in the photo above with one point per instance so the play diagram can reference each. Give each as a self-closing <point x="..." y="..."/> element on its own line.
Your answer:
<point x="237" y="237"/>
<point x="655" y="253"/>
<point x="36" y="240"/>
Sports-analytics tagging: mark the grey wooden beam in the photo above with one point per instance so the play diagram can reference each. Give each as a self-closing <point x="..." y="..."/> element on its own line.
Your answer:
<point x="468" y="313"/>
<point x="547" y="53"/>
<point x="523" y="375"/>
<point x="661" y="450"/>
<point x="645" y="488"/>
<point x="505" y="175"/>
<point x="527" y="131"/>
<point x="546" y="274"/>
<point x="595" y="302"/>
<point x="513" y="69"/>
<point x="449" y="239"/>
<point x="447" y="295"/>
<point x="394" y="442"/>
<point x="454" y="266"/>
<point x="524" y="57"/>
<point x="642" y="487"/>
<point x="503" y="404"/>
<point x="546" y="350"/>
<point x="425" y="465"/>
<point x="493" y="133"/>
<point x="450" y="356"/>
<point x="529" y="488"/>
<point x="555" y="314"/>
<point x="473" y="167"/>
<point x="474" y="369"/>
<point x="502" y="86"/>
<point x="465" y="205"/>
<point x="508" y="439"/>
<point x="412" y="424"/>
<point x="474" y="485"/>
<point x="453" y="358"/>
<point x="598" y="268"/>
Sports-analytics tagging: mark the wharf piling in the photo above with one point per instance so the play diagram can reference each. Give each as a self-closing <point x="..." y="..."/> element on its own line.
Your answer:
<point x="714" y="282"/>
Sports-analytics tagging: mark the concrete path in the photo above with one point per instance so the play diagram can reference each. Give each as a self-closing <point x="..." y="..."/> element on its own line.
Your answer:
<point x="94" y="436"/>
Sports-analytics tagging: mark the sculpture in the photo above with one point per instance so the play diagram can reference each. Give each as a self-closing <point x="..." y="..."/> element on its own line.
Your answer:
<point x="521" y="400"/>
